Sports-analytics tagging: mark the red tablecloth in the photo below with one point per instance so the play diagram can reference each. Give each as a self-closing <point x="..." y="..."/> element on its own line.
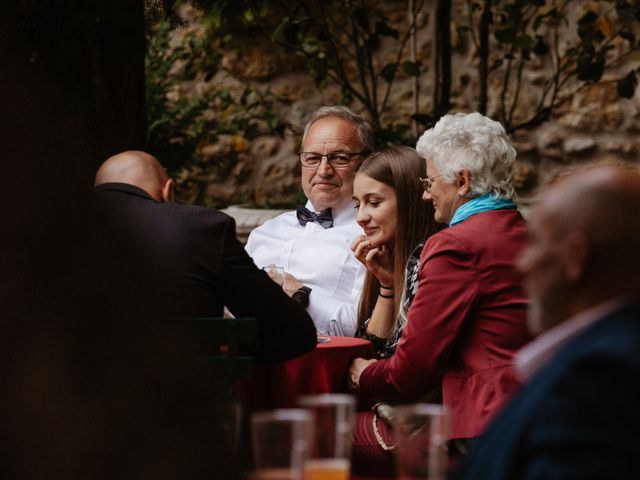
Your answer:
<point x="323" y="370"/>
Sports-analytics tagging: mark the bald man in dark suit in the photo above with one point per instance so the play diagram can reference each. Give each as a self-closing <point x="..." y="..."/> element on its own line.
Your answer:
<point x="194" y="250"/>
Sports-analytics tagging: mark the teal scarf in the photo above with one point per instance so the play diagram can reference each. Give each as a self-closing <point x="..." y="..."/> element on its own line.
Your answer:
<point x="483" y="203"/>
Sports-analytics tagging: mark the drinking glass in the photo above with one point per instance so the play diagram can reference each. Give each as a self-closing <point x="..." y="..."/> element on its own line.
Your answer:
<point x="275" y="273"/>
<point x="280" y="441"/>
<point x="421" y="431"/>
<point x="330" y="455"/>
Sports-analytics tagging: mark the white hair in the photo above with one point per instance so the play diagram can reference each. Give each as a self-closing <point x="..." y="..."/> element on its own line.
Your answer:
<point x="362" y="127"/>
<point x="473" y="142"/>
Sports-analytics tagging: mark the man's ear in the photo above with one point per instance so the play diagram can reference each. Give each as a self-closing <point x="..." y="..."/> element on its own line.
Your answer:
<point x="167" y="191"/>
<point x="463" y="182"/>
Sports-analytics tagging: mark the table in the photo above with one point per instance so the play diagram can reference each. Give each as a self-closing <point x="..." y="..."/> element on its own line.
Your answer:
<point x="323" y="370"/>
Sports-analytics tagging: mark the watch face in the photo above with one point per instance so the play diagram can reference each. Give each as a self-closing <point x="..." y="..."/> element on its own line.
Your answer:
<point x="301" y="297"/>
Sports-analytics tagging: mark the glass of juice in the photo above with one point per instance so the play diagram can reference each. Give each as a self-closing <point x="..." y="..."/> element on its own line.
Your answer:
<point x="330" y="453"/>
<point x="280" y="441"/>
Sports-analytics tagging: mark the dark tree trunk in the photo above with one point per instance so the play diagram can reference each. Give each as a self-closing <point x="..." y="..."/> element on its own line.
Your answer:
<point x="442" y="93"/>
<point x="84" y="63"/>
<point x="485" y="21"/>
<point x="71" y="93"/>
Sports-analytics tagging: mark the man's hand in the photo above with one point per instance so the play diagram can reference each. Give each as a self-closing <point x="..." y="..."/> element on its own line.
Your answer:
<point x="378" y="260"/>
<point x="356" y="368"/>
<point x="291" y="284"/>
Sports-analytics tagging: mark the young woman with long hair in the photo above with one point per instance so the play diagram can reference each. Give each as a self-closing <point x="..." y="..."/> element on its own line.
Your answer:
<point x="396" y="222"/>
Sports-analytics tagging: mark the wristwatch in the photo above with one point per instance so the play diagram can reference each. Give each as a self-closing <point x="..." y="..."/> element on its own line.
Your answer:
<point x="302" y="296"/>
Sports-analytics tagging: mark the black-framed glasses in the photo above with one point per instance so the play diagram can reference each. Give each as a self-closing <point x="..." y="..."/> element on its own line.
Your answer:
<point x="427" y="182"/>
<point x="335" y="159"/>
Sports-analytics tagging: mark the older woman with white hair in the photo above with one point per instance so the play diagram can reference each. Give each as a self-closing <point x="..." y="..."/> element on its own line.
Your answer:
<point x="468" y="315"/>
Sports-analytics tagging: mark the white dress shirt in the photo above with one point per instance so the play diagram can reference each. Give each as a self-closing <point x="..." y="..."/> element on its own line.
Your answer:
<point x="531" y="358"/>
<point x="321" y="259"/>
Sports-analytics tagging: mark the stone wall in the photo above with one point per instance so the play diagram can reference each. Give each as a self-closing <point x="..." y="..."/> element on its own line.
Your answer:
<point x="594" y="125"/>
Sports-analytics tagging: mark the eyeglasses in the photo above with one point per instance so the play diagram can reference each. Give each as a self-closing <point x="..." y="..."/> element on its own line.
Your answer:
<point x="335" y="159"/>
<point x="427" y="182"/>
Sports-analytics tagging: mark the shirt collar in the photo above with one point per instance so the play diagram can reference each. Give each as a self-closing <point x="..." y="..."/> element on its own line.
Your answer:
<point x="536" y="354"/>
<point x="341" y="216"/>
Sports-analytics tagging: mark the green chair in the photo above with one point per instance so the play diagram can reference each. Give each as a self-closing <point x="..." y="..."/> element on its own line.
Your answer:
<point x="224" y="343"/>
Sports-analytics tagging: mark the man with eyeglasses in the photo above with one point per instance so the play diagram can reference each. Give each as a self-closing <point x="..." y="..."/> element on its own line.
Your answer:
<point x="313" y="242"/>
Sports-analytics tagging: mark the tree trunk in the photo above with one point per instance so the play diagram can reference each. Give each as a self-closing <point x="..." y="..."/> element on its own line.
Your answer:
<point x="485" y="21"/>
<point x="442" y="90"/>
<point x="84" y="61"/>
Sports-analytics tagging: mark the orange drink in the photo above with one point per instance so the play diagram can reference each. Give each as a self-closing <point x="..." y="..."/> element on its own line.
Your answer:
<point x="327" y="469"/>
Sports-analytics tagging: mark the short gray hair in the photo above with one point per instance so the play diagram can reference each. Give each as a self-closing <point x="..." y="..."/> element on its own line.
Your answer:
<point x="470" y="141"/>
<point x="363" y="128"/>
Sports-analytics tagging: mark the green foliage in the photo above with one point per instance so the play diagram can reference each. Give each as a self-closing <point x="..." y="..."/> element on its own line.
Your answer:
<point x="175" y="127"/>
<point x="528" y="29"/>
<point x="328" y="38"/>
<point x="338" y="43"/>
<point x="627" y="85"/>
<point x="180" y="122"/>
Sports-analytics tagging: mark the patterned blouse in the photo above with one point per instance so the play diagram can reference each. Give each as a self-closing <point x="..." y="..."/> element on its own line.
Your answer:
<point x="386" y="346"/>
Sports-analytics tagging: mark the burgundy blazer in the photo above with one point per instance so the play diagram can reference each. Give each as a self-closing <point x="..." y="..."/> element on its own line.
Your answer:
<point x="466" y="321"/>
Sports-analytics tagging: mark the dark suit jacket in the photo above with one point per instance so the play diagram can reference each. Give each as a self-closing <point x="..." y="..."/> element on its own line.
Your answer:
<point x="203" y="267"/>
<point x="578" y="418"/>
<point x="466" y="321"/>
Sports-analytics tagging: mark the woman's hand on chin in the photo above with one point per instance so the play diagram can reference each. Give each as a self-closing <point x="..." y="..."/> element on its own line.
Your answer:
<point x="377" y="259"/>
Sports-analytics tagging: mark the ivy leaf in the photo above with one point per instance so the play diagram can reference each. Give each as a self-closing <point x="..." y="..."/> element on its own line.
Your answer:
<point x="211" y="71"/>
<point x="347" y="96"/>
<point x="587" y="26"/>
<point x="373" y="42"/>
<point x="628" y="36"/>
<point x="383" y="28"/>
<point x="361" y="17"/>
<point x="248" y="15"/>
<point x="423" y="118"/>
<point x="590" y="69"/>
<point x="411" y="68"/>
<point x="309" y="47"/>
<point x="524" y="42"/>
<point x="605" y="26"/>
<point x="589" y="18"/>
<point x="279" y="29"/>
<point x="572" y="52"/>
<point x="505" y="35"/>
<point x="627" y="86"/>
<point x="388" y="72"/>
<point x="540" y="47"/>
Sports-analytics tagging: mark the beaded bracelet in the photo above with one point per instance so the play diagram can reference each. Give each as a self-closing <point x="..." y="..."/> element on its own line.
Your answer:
<point x="376" y="432"/>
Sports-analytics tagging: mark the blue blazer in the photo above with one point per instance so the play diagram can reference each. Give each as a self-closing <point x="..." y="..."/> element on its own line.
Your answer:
<point x="578" y="418"/>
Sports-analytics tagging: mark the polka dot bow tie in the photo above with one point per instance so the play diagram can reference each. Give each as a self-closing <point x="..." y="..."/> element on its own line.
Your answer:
<point x="305" y="215"/>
